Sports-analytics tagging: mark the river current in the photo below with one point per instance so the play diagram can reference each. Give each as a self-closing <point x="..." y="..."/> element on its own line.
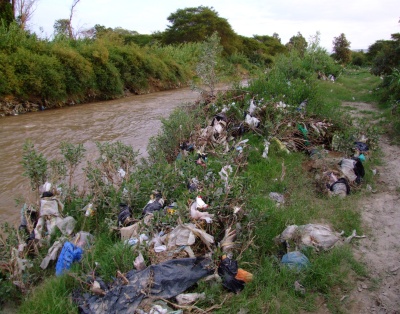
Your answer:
<point x="131" y="120"/>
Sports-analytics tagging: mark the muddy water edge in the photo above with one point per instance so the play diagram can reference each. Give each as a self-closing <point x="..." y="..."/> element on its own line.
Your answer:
<point x="131" y="120"/>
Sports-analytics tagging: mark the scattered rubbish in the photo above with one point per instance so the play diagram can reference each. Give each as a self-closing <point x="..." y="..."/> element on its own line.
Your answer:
<point x="224" y="174"/>
<point x="299" y="287"/>
<point x="277" y="197"/>
<point x="311" y="235"/>
<point x="124" y="213"/>
<point x="163" y="280"/>
<point x="353" y="169"/>
<point x="339" y="187"/>
<point x="280" y="145"/>
<point x="156" y="203"/>
<point x="252" y="107"/>
<point x="361" y="146"/>
<point x="89" y="210"/>
<point x="196" y="214"/>
<point x="139" y="262"/>
<point x="53" y="252"/>
<point x="69" y="254"/>
<point x="295" y="260"/>
<point x="193" y="185"/>
<point x="266" y="148"/>
<point x="228" y="270"/>
<point x="189" y="298"/>
<point x="252" y="122"/>
<point x="185" y="234"/>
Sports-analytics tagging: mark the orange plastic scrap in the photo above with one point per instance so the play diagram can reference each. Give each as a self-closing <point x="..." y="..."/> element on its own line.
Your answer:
<point x="244" y="275"/>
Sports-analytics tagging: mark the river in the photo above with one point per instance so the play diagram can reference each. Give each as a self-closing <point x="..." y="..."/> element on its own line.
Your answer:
<point x="131" y="120"/>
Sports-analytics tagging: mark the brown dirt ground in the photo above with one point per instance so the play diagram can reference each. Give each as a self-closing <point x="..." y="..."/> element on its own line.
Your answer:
<point x="380" y="250"/>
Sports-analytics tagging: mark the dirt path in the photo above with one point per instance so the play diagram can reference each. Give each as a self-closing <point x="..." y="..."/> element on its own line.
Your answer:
<point x="380" y="251"/>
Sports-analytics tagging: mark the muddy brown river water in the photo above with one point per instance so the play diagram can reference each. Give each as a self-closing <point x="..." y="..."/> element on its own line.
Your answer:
<point x="132" y="120"/>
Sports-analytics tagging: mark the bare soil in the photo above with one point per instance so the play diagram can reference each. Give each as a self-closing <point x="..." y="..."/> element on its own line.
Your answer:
<point x="380" y="250"/>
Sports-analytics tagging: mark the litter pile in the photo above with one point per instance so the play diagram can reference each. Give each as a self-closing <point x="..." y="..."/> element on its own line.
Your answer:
<point x="185" y="250"/>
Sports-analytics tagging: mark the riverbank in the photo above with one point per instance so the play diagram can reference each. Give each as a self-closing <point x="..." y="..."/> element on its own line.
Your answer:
<point x="246" y="189"/>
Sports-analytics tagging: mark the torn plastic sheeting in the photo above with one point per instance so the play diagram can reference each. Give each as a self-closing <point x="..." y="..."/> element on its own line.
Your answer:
<point x="253" y="122"/>
<point x="164" y="280"/>
<point x="130" y="231"/>
<point x="189" y="298"/>
<point x="52" y="252"/>
<point x="312" y="235"/>
<point x="196" y="214"/>
<point x="50" y="206"/>
<point x="186" y="235"/>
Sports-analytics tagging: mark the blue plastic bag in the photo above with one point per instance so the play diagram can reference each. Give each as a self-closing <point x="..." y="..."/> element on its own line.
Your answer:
<point x="69" y="254"/>
<point x="295" y="260"/>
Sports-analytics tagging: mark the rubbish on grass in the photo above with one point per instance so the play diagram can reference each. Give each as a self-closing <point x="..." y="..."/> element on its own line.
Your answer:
<point x="361" y="146"/>
<point x="164" y="280"/>
<point x="200" y="204"/>
<point x="224" y="174"/>
<point x="124" y="213"/>
<point x="311" y="235"/>
<point x="339" y="187"/>
<point x="266" y="148"/>
<point x="253" y="122"/>
<point x="189" y="298"/>
<point x="228" y="242"/>
<point x="130" y="231"/>
<point x="155" y="204"/>
<point x="281" y="146"/>
<point x="69" y="254"/>
<point x="295" y="260"/>
<point x="139" y="262"/>
<point x="277" y="197"/>
<point x="193" y="185"/>
<point x="353" y="169"/>
<point x="89" y="210"/>
<point x="121" y="173"/>
<point x="228" y="271"/>
<point x="185" y="234"/>
<point x="252" y="107"/>
<point x="195" y="214"/>
<point x="52" y="252"/>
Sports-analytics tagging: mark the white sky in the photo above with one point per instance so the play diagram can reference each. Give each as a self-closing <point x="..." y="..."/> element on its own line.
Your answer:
<point x="362" y="21"/>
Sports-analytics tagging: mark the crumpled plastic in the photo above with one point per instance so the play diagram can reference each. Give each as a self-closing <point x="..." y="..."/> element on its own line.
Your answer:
<point x="164" y="280"/>
<point x="196" y="214"/>
<point x="295" y="260"/>
<point x="69" y="254"/>
<point x="52" y="252"/>
<point x="185" y="234"/>
<point x="311" y="235"/>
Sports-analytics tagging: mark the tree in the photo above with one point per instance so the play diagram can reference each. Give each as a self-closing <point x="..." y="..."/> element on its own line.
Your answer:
<point x="196" y="25"/>
<point x="341" y="49"/>
<point x="297" y="42"/>
<point x="23" y="11"/>
<point x="61" y="27"/>
<point x="6" y="12"/>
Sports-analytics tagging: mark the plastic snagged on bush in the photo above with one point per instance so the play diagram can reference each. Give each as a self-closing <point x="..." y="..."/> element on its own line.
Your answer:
<point x="233" y="277"/>
<point x="69" y="254"/>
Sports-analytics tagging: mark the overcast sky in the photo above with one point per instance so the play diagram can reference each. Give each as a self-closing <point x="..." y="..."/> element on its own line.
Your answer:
<point x="362" y="21"/>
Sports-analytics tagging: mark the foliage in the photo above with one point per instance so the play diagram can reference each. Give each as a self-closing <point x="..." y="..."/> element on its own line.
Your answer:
<point x="195" y="24"/>
<point x="359" y="58"/>
<point x="6" y="13"/>
<point x="341" y="49"/>
<point x="206" y="69"/>
<point x="298" y="43"/>
<point x="35" y="165"/>
<point x="73" y="155"/>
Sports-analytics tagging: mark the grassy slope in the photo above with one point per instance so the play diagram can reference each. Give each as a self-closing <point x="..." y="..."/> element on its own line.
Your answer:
<point x="331" y="274"/>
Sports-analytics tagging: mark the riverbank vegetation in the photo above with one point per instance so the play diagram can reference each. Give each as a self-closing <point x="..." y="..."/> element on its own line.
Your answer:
<point x="298" y="115"/>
